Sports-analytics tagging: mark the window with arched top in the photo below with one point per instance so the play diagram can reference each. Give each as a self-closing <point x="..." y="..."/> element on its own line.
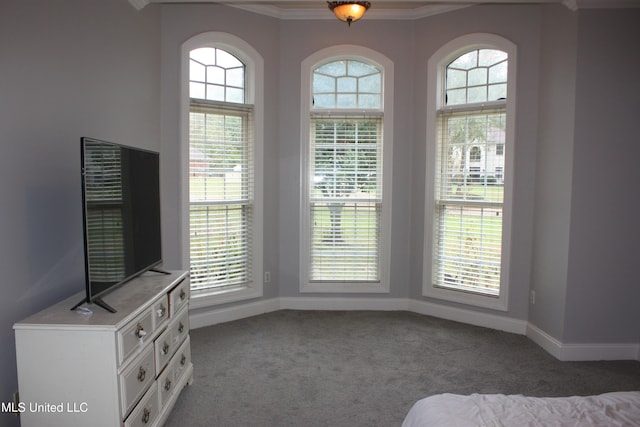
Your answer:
<point x="470" y="157"/>
<point x="224" y="187"/>
<point x="346" y="164"/>
<point x="479" y="75"/>
<point x="347" y="83"/>
<point x="216" y="75"/>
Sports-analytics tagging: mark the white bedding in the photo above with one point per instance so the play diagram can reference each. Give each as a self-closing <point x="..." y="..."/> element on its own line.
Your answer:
<point x="493" y="410"/>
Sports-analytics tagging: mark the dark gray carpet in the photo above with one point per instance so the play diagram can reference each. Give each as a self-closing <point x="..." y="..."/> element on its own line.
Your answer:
<point x="366" y="368"/>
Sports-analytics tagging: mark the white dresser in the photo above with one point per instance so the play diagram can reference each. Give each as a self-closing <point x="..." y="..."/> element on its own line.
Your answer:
<point x="107" y="369"/>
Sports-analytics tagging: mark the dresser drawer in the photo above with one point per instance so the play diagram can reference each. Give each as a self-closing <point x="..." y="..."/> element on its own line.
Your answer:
<point x="160" y="311"/>
<point x="179" y="296"/>
<point x="180" y="327"/>
<point x="164" y="349"/>
<point x="171" y="378"/>
<point x="169" y="341"/>
<point x="166" y="385"/>
<point x="135" y="379"/>
<point x="146" y="412"/>
<point x="181" y="360"/>
<point x="135" y="335"/>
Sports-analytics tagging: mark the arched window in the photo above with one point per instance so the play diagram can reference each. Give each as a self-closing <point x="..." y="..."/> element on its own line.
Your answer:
<point x="225" y="212"/>
<point x="346" y="171"/>
<point x="470" y="146"/>
<point x="216" y="75"/>
<point x="347" y="83"/>
<point x="479" y="75"/>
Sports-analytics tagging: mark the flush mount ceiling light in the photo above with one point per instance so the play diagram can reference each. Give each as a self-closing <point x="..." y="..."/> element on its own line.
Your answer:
<point x="349" y="11"/>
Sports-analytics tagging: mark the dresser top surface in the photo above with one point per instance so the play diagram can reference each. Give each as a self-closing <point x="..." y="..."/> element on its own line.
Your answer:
<point x="128" y="300"/>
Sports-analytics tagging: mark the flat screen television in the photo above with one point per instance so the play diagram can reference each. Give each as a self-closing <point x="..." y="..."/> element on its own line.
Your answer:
<point x="121" y="215"/>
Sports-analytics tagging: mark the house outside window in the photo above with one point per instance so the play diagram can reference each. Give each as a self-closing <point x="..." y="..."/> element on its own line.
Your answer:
<point x="475" y="154"/>
<point x="470" y="150"/>
<point x="224" y="167"/>
<point x="346" y="164"/>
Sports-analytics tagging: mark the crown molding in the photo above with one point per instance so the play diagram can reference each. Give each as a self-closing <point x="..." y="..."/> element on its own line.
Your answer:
<point x="372" y="14"/>
<point x="264" y="7"/>
<point x="600" y="4"/>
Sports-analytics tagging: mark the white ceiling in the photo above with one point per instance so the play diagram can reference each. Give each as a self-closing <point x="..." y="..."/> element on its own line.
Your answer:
<point x="383" y="9"/>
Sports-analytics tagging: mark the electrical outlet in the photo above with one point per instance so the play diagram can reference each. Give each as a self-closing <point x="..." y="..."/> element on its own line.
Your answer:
<point x="267" y="276"/>
<point x="532" y="297"/>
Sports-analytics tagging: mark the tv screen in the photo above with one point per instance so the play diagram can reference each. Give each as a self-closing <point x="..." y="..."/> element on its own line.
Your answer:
<point x="121" y="214"/>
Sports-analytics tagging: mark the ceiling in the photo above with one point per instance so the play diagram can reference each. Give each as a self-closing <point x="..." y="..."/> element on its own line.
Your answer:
<point x="383" y="9"/>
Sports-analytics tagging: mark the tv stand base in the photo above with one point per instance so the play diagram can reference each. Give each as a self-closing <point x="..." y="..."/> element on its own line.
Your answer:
<point x="99" y="302"/>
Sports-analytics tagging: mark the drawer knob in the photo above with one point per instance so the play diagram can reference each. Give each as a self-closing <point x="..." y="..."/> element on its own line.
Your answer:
<point x="183" y="360"/>
<point x="167" y="384"/>
<point x="140" y="332"/>
<point x="165" y="348"/>
<point x="183" y="294"/>
<point x="162" y="310"/>
<point x="141" y="374"/>
<point x="180" y="327"/>
<point x="146" y="414"/>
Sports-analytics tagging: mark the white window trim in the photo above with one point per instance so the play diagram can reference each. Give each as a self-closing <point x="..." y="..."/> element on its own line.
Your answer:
<point x="311" y="62"/>
<point x="436" y="65"/>
<point x="254" y="95"/>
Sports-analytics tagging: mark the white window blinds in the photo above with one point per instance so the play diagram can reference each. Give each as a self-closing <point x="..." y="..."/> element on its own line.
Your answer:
<point x="345" y="199"/>
<point x="469" y="200"/>
<point x="469" y="179"/>
<point x="221" y="203"/>
<point x="469" y="154"/>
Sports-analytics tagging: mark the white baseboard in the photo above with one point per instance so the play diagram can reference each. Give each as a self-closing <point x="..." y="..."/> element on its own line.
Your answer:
<point x="326" y="303"/>
<point x="582" y="351"/>
<point x="561" y="351"/>
<point x="544" y="340"/>
<point x="215" y="315"/>
<point x="470" y="317"/>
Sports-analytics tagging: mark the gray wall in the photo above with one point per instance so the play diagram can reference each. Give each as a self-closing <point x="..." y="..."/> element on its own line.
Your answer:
<point x="68" y="69"/>
<point x="586" y="248"/>
<point x="603" y="286"/>
<point x="554" y="168"/>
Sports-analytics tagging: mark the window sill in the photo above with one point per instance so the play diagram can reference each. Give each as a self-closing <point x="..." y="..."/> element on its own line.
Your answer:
<point x="468" y="298"/>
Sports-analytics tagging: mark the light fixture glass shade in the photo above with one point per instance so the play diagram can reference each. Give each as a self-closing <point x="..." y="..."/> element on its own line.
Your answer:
<point x="349" y="11"/>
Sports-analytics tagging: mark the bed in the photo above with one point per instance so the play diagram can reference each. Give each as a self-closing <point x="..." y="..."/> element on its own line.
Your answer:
<point x="493" y="410"/>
